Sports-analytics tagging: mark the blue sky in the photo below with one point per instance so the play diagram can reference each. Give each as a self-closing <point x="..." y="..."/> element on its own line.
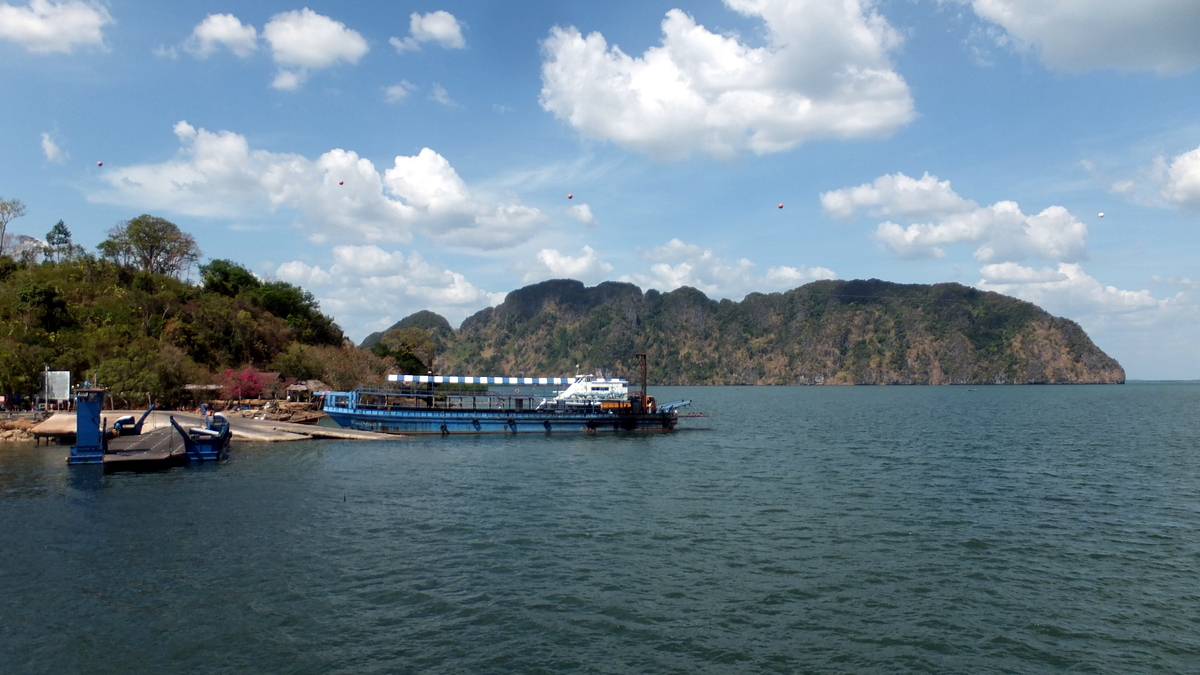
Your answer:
<point x="392" y="157"/>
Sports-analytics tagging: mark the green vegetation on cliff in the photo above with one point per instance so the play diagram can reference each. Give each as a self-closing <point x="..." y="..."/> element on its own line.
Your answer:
<point x="125" y="321"/>
<point x="826" y="332"/>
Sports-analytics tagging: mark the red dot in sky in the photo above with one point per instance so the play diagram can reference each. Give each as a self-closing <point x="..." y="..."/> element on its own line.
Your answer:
<point x="570" y="196"/>
<point x="781" y="205"/>
<point x="99" y="163"/>
<point x="341" y="182"/>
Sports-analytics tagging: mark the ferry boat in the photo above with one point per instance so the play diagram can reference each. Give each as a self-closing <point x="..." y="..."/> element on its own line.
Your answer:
<point x="439" y="404"/>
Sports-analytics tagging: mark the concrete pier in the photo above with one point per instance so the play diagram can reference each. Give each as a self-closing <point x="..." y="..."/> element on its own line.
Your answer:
<point x="62" y="425"/>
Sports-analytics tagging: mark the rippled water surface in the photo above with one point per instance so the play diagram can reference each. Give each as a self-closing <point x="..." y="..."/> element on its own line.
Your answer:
<point x="857" y="530"/>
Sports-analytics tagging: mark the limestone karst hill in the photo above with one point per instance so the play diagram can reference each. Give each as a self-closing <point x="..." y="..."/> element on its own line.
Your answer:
<point x="825" y="332"/>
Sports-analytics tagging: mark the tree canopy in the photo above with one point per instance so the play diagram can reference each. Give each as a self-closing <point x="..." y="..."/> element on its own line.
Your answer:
<point x="291" y="303"/>
<point x="152" y="244"/>
<point x="413" y="349"/>
<point x="227" y="278"/>
<point x="59" y="246"/>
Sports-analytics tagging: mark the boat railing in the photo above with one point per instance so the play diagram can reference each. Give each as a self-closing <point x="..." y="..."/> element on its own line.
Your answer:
<point x="464" y="397"/>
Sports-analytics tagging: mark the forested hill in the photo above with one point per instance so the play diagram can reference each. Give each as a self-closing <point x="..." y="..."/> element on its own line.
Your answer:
<point x="142" y="334"/>
<point x="826" y="332"/>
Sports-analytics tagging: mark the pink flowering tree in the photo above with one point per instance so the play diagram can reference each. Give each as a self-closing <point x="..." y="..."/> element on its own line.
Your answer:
<point x="239" y="384"/>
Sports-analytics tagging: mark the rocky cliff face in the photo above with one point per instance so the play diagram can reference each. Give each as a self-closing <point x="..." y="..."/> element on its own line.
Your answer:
<point x="826" y="332"/>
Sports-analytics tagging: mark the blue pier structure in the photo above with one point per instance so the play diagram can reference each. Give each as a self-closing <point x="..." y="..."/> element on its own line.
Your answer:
<point x="90" y="438"/>
<point x="436" y="404"/>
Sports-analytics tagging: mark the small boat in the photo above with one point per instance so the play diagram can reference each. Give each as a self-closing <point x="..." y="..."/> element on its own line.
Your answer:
<point x="438" y="404"/>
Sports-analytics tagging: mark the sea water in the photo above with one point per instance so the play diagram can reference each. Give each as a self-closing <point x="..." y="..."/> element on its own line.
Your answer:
<point x="1005" y="529"/>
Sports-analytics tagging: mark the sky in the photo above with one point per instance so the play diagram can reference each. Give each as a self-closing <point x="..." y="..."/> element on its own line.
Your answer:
<point x="398" y="156"/>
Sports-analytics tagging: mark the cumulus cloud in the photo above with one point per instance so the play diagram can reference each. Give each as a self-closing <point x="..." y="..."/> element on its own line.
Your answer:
<point x="681" y="264"/>
<point x="399" y="91"/>
<point x="368" y="283"/>
<point x="303" y="40"/>
<point x="824" y="72"/>
<point x="51" y="150"/>
<point x="1078" y="35"/>
<point x="221" y="30"/>
<point x="439" y="27"/>
<point x="43" y="26"/>
<point x="897" y="195"/>
<point x="1001" y="231"/>
<point x="586" y="267"/>
<point x="339" y="195"/>
<point x="301" y="274"/>
<point x="582" y="213"/>
<point x="1066" y="290"/>
<point x="1183" y="179"/>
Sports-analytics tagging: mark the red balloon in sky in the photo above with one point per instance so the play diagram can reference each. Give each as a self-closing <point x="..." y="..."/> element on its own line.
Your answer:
<point x="781" y="205"/>
<point x="99" y="163"/>
<point x="341" y="182"/>
<point x="570" y="196"/>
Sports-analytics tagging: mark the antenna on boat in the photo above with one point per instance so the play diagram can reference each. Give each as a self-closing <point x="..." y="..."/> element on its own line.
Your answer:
<point x="642" y="358"/>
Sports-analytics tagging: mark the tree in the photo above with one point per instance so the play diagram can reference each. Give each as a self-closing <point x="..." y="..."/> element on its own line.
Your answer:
<point x="298" y="363"/>
<point x="246" y="383"/>
<point x="346" y="367"/>
<point x="228" y="278"/>
<point x="152" y="244"/>
<point x="58" y="243"/>
<point x="301" y="311"/>
<point x="45" y="308"/>
<point x="25" y="249"/>
<point x="413" y="349"/>
<point x="10" y="209"/>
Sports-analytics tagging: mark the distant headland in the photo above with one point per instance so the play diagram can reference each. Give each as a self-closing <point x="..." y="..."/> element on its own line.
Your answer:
<point x="825" y="332"/>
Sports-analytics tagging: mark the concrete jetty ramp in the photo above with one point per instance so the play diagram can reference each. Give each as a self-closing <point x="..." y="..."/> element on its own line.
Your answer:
<point x="243" y="429"/>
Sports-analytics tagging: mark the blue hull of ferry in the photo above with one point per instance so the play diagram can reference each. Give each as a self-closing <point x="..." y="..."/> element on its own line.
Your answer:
<point x="483" y="421"/>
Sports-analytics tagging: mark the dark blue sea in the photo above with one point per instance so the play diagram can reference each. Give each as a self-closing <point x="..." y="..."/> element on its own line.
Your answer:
<point x="1005" y="529"/>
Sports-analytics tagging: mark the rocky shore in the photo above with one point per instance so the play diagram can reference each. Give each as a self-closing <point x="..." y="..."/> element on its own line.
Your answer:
<point x="16" y="431"/>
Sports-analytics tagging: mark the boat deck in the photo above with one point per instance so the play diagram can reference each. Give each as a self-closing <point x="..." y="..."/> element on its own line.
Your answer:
<point x="162" y="446"/>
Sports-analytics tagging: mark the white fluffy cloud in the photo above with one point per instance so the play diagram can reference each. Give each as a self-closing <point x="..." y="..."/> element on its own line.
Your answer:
<point x="824" y="72"/>
<point x="43" y="26"/>
<point x="303" y="40"/>
<point x="582" y="213"/>
<point x="897" y="195"/>
<point x="1001" y="231"/>
<point x="439" y="27"/>
<point x="680" y="264"/>
<point x="1077" y="35"/>
<point x="368" y="284"/>
<point x="340" y="195"/>
<point x="221" y="30"/>
<point x="586" y="267"/>
<point x="1183" y="179"/>
<point x="51" y="150"/>
<point x="1067" y="290"/>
